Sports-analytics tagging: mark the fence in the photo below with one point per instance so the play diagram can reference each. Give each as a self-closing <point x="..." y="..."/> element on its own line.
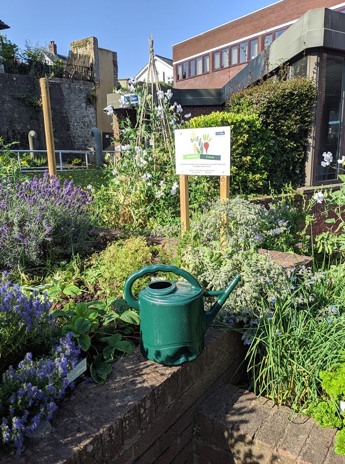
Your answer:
<point x="37" y="160"/>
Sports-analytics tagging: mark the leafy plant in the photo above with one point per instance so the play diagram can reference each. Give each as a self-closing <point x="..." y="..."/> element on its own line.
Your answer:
<point x="108" y="270"/>
<point x="285" y="109"/>
<point x="42" y="221"/>
<point x="103" y="329"/>
<point x="251" y="150"/>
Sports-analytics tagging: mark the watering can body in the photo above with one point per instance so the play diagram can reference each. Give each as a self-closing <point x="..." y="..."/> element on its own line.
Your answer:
<point x="172" y="316"/>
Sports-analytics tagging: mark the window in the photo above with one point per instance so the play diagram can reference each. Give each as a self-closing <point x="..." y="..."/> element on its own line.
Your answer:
<point x="243" y="52"/>
<point x="216" y="60"/>
<point x="268" y="39"/>
<point x="192" y="68"/>
<point x="234" y="55"/>
<point x="279" y="33"/>
<point x="206" y="64"/>
<point x="199" y="66"/>
<point x="185" y="73"/>
<point x="179" y="72"/>
<point x="254" y="48"/>
<point x="225" y="57"/>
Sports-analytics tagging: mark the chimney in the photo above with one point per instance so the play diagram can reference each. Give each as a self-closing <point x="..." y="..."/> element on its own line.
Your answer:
<point x="52" y="47"/>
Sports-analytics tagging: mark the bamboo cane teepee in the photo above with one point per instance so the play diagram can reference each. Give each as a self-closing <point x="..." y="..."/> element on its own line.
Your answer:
<point x="153" y="112"/>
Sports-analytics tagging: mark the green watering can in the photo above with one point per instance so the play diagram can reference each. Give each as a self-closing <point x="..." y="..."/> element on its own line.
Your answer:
<point x="172" y="316"/>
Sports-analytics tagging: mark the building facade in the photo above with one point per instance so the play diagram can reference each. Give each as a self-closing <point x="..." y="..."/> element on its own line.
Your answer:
<point x="211" y="59"/>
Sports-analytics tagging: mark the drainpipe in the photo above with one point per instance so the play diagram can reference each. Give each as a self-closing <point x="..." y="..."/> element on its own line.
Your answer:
<point x="31" y="136"/>
<point x="96" y="133"/>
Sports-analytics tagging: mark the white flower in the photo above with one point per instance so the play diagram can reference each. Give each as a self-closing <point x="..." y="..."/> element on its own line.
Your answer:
<point x="188" y="115"/>
<point x="146" y="176"/>
<point x="168" y="94"/>
<point x="159" y="194"/>
<point x="327" y="159"/>
<point x="319" y="197"/>
<point x="342" y="160"/>
<point x="179" y="109"/>
<point x="89" y="186"/>
<point x="160" y="94"/>
<point x="174" y="188"/>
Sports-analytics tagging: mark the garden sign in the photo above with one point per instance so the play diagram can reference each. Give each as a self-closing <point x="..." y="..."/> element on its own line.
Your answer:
<point x="202" y="152"/>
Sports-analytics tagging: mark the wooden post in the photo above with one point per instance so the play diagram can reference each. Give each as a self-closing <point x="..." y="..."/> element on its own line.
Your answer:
<point x="48" y="126"/>
<point x="224" y="187"/>
<point x="224" y="195"/>
<point x="184" y="202"/>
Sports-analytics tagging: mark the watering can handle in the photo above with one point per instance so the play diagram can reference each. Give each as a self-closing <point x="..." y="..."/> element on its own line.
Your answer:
<point x="133" y="302"/>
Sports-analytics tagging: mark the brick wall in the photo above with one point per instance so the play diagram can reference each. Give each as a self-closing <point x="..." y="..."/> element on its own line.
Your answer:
<point x="144" y="413"/>
<point x="250" y="25"/>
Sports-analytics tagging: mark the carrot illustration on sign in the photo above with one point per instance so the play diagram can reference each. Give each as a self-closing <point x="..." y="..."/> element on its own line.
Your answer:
<point x="206" y="138"/>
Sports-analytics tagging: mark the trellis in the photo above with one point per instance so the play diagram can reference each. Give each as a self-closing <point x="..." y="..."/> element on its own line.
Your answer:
<point x="153" y="112"/>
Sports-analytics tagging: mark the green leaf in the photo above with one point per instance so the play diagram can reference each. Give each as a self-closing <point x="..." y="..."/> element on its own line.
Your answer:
<point x="100" y="369"/>
<point x="71" y="290"/>
<point x="82" y="310"/>
<point x="125" y="346"/>
<point x="84" y="341"/>
<point x="130" y="316"/>
<point x="108" y="353"/>
<point x="110" y="318"/>
<point x="81" y="325"/>
<point x="112" y="340"/>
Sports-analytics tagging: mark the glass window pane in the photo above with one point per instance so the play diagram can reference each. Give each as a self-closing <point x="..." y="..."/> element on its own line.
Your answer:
<point x="234" y="55"/>
<point x="179" y="71"/>
<point x="331" y="107"/>
<point x="225" y="58"/>
<point x="254" y="48"/>
<point x="185" y="71"/>
<point x="279" y="33"/>
<point x="199" y="65"/>
<point x="268" y="39"/>
<point x="216" y="60"/>
<point x="192" y="68"/>
<point x="206" y="64"/>
<point x="243" y="52"/>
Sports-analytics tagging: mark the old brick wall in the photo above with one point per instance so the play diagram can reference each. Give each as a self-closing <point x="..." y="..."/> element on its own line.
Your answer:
<point x="73" y="117"/>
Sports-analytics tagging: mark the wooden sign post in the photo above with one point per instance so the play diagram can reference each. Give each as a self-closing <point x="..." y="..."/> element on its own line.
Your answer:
<point x="48" y="125"/>
<point x="184" y="203"/>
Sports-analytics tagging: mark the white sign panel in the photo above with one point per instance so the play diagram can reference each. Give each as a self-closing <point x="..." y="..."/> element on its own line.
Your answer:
<point x="203" y="151"/>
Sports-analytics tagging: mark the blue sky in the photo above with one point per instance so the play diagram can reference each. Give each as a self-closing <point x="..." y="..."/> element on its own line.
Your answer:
<point x="124" y="27"/>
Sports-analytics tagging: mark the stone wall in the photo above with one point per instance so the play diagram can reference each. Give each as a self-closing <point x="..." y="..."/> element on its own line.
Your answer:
<point x="73" y="117"/>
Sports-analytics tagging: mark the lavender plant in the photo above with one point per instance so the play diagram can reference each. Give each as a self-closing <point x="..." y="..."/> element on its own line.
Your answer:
<point x="25" y="324"/>
<point x="30" y="393"/>
<point x="41" y="221"/>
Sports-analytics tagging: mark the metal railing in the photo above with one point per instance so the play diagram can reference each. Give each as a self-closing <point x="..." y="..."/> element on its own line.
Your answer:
<point x="37" y="160"/>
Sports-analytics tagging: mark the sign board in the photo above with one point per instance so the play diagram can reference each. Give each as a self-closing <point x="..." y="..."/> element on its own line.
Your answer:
<point x="203" y="151"/>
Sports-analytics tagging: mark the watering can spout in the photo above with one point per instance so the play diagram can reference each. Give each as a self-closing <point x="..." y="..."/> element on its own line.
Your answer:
<point x="223" y="296"/>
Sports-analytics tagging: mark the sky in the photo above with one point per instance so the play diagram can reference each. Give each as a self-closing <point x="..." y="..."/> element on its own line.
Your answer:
<point x="124" y="27"/>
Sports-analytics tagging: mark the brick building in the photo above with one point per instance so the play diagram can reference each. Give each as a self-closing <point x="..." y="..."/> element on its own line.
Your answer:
<point x="211" y="59"/>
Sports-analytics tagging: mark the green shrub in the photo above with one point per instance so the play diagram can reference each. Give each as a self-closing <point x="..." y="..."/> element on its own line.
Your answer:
<point x="108" y="270"/>
<point x="285" y="109"/>
<point x="251" y="149"/>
